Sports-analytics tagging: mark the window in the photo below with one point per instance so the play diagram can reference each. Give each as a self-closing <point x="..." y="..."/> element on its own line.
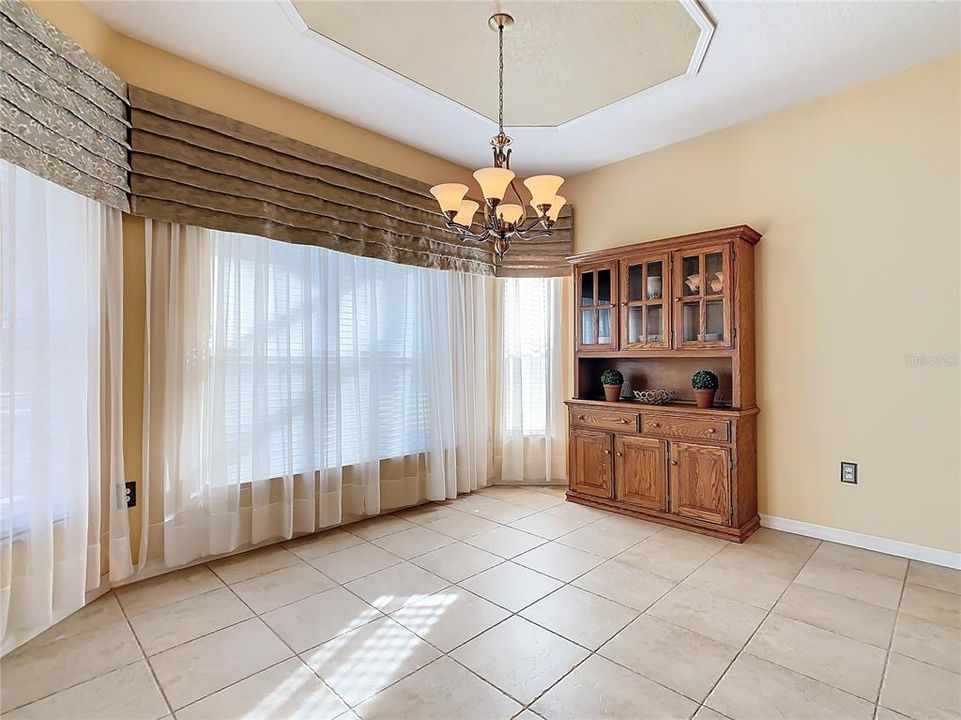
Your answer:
<point x="527" y="368"/>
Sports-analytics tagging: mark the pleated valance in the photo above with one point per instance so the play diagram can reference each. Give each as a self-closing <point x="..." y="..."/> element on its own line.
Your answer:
<point x="63" y="114"/>
<point x="546" y="257"/>
<point x="193" y="166"/>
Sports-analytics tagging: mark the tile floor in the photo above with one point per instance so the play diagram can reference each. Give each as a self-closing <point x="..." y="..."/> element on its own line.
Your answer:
<point x="510" y="603"/>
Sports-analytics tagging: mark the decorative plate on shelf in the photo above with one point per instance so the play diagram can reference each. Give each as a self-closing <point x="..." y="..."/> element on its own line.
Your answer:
<point x="654" y="397"/>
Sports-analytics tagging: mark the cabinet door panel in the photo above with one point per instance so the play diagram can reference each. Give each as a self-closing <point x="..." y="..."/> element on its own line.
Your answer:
<point x="591" y="470"/>
<point x="700" y="482"/>
<point x="702" y="287"/>
<point x="640" y="471"/>
<point x="596" y="306"/>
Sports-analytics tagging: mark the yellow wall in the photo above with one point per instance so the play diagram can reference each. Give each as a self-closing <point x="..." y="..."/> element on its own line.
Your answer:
<point x="858" y="198"/>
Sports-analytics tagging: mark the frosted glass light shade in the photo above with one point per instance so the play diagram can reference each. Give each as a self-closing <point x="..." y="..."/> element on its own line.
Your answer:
<point x="556" y="206"/>
<point x="543" y="188"/>
<point x="465" y="215"/>
<point x="449" y="196"/>
<point x="509" y="213"/>
<point x="493" y="182"/>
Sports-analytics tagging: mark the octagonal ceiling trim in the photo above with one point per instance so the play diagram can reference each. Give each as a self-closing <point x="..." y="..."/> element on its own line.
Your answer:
<point x="705" y="26"/>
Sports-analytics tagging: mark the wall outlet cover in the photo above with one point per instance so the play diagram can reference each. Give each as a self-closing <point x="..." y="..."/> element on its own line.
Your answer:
<point x="849" y="472"/>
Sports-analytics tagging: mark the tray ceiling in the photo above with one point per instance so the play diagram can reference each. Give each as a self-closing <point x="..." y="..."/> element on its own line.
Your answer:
<point x="562" y="60"/>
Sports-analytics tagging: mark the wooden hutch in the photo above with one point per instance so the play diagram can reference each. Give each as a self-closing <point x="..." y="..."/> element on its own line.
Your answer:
<point x="658" y="312"/>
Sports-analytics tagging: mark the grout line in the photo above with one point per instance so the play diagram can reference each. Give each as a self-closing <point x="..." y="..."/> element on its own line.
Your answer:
<point x="146" y="659"/>
<point x="894" y="629"/>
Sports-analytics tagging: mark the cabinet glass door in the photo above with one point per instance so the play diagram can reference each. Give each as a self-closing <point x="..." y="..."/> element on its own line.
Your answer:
<point x="597" y="324"/>
<point x="644" y="287"/>
<point x="702" y="297"/>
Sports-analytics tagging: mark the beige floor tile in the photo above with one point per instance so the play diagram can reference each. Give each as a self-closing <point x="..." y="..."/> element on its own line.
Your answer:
<point x="857" y="584"/>
<point x="461" y="527"/>
<point x="33" y="671"/>
<point x="597" y="688"/>
<point x="929" y="642"/>
<point x="882" y="713"/>
<point x="935" y="576"/>
<point x="354" y="562"/>
<point x="930" y="604"/>
<point x="574" y="511"/>
<point x="535" y="500"/>
<point x="846" y="664"/>
<point x="671" y="553"/>
<point x="102" y="612"/>
<point x="441" y="691"/>
<point x="506" y="542"/>
<point x="246" y="565"/>
<point x="128" y="693"/>
<point x="852" y="618"/>
<point x="318" y="618"/>
<point x="705" y="713"/>
<point x="167" y="589"/>
<point x="627" y="527"/>
<point x="761" y="558"/>
<point x="427" y="513"/>
<point x="625" y="584"/>
<point x="413" y="542"/>
<point x="324" y="543"/>
<point x="165" y="627"/>
<point x="580" y="616"/>
<point x="777" y="541"/>
<point x="457" y="562"/>
<point x="450" y="617"/>
<point x="288" y="690"/>
<point x="559" y="561"/>
<point x="203" y="666"/>
<point x="538" y="658"/>
<point x="504" y="512"/>
<point x="397" y="586"/>
<point x="528" y="715"/>
<point x="511" y="586"/>
<point x="548" y="526"/>
<point x="685" y="661"/>
<point x="860" y="559"/>
<point x="754" y="689"/>
<point x="501" y="492"/>
<point x="597" y="541"/>
<point x="719" y="618"/>
<point x="280" y="587"/>
<point x="366" y="660"/>
<point x="738" y="581"/>
<point x="470" y="502"/>
<point x="920" y="691"/>
<point x="378" y="527"/>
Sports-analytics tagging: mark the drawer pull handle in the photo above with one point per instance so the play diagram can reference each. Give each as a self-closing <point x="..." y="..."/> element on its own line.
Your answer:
<point x="655" y="424"/>
<point x="711" y="431"/>
<point x="607" y="452"/>
<point x="582" y="417"/>
<point x="624" y="421"/>
<point x="674" y="462"/>
<point x="620" y="454"/>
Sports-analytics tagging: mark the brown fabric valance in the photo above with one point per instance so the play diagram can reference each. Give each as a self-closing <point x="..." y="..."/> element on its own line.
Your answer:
<point x="193" y="166"/>
<point x="546" y="257"/>
<point x="63" y="114"/>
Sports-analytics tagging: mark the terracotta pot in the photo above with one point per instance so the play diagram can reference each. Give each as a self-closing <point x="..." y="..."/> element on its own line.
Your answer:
<point x="612" y="393"/>
<point x="705" y="398"/>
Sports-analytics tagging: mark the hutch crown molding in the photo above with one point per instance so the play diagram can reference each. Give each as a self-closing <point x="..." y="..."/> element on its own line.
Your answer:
<point x="658" y="312"/>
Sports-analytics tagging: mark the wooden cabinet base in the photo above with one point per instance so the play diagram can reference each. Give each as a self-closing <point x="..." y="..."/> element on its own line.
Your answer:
<point x="738" y="534"/>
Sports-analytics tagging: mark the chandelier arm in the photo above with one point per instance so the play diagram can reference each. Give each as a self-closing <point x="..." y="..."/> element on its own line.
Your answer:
<point x="466" y="233"/>
<point x="536" y="236"/>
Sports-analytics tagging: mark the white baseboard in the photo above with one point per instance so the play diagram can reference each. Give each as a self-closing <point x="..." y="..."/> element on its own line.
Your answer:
<point x="868" y="542"/>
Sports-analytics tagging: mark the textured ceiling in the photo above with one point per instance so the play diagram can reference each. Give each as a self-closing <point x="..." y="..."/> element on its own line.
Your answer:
<point x="562" y="60"/>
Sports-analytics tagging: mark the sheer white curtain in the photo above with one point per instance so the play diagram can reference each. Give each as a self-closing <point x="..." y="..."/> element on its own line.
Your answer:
<point x="61" y="472"/>
<point x="292" y="388"/>
<point x="533" y="379"/>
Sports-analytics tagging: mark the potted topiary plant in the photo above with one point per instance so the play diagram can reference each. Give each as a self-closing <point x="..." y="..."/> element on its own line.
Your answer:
<point x="612" y="381"/>
<point x="705" y="384"/>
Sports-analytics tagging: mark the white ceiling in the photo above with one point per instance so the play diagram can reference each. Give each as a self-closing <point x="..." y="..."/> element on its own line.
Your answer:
<point x="764" y="56"/>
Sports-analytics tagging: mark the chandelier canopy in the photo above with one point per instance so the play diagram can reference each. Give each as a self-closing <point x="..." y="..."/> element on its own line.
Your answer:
<point x="502" y="221"/>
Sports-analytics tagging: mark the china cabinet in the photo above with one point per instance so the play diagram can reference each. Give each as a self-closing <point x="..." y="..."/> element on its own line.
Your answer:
<point x="658" y="312"/>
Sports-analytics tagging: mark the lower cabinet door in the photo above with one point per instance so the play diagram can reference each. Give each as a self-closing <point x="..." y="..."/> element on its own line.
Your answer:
<point x="591" y="471"/>
<point x="700" y="482"/>
<point x="640" y="471"/>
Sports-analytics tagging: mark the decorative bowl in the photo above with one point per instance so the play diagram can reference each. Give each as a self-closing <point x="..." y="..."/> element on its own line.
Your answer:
<point x="654" y="397"/>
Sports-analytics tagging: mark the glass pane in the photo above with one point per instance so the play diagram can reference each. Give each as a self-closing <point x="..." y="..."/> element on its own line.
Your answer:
<point x="655" y="323"/>
<point x="655" y="280"/>
<point x="715" y="321"/>
<point x="603" y="287"/>
<point x="692" y="321"/>
<point x="603" y="326"/>
<point x="634" y="283"/>
<point x="714" y="273"/>
<point x="635" y="327"/>
<point x="691" y="268"/>
<point x="587" y="327"/>
<point x="587" y="289"/>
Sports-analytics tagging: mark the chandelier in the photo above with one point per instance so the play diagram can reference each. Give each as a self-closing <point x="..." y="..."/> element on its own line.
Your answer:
<point x="502" y="221"/>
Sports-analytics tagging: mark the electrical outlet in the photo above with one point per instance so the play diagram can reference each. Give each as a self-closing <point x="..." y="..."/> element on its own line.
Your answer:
<point x="130" y="494"/>
<point x="849" y="472"/>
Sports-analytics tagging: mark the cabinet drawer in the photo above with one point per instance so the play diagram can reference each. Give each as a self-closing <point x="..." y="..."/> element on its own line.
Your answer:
<point x="623" y="420"/>
<point x="684" y="428"/>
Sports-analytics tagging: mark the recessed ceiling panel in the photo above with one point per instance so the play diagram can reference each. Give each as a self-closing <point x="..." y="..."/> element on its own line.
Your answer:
<point x="562" y="59"/>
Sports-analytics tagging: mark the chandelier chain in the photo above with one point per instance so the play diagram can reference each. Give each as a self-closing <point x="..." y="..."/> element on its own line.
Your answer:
<point x="500" y="74"/>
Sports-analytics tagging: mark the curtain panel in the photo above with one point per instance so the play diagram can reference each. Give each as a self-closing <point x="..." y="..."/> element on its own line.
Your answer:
<point x="196" y="167"/>
<point x="63" y="114"/>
